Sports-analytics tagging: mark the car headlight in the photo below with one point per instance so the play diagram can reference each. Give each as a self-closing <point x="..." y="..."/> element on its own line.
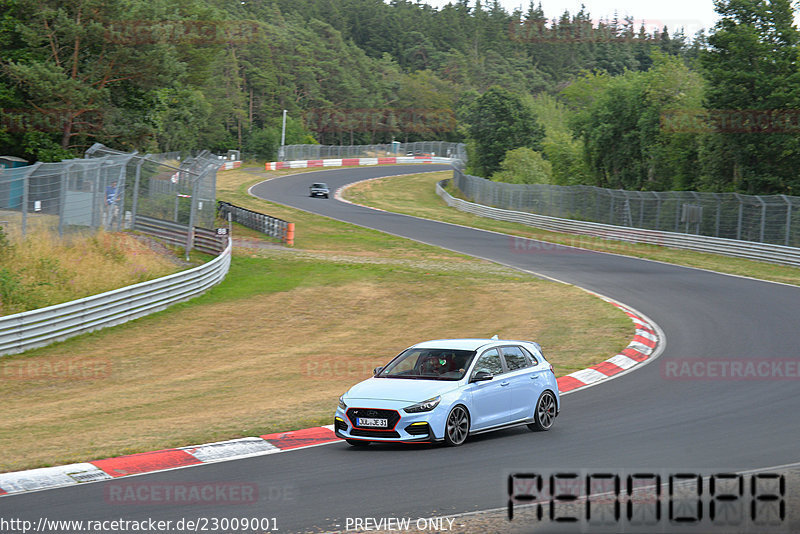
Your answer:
<point x="342" y="405"/>
<point x="424" y="406"/>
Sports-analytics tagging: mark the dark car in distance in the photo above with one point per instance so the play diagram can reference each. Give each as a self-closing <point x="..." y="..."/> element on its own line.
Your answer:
<point x="319" y="189"/>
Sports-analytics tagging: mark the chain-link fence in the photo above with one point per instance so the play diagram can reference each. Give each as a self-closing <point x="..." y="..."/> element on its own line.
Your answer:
<point x="108" y="189"/>
<point x="767" y="219"/>
<point x="421" y="148"/>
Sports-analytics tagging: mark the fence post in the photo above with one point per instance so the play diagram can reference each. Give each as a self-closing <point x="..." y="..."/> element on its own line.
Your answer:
<point x="62" y="200"/>
<point x="763" y="218"/>
<point x="192" y="215"/>
<point x="119" y="195"/>
<point x="788" y="219"/>
<point x="26" y="185"/>
<point x="136" y="181"/>
<point x="719" y="211"/>
<point x="678" y="200"/>
<point x="699" y="201"/>
<point x="658" y="212"/>
<point x="739" y="222"/>
<point x="611" y="209"/>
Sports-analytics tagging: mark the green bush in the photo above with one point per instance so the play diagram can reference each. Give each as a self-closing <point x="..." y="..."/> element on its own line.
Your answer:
<point x="524" y="166"/>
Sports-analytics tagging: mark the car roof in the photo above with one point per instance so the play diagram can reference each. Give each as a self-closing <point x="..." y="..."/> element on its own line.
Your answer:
<point x="464" y="344"/>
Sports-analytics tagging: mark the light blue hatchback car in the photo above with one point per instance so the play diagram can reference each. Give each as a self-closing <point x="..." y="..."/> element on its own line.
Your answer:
<point x="447" y="389"/>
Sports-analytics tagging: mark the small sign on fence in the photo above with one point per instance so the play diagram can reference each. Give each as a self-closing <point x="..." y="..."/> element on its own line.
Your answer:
<point x="222" y="231"/>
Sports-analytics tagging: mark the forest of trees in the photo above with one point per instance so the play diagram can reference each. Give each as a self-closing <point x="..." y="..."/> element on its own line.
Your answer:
<point x="563" y="101"/>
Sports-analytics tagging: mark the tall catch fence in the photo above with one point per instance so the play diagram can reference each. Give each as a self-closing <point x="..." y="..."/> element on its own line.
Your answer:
<point x="109" y="189"/>
<point x="422" y="148"/>
<point x="771" y="219"/>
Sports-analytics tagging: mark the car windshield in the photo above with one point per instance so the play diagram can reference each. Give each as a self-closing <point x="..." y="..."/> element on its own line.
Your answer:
<point x="429" y="364"/>
<point x="319" y="186"/>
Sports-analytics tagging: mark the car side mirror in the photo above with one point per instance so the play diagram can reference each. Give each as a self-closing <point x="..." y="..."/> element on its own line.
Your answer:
<point x="482" y="376"/>
<point x="377" y="370"/>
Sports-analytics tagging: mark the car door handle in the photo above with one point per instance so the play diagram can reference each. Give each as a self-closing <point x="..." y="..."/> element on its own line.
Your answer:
<point x="534" y="377"/>
<point x="504" y="383"/>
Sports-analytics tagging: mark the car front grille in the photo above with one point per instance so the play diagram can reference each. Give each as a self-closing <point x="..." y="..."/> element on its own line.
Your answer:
<point x="391" y="416"/>
<point x="374" y="433"/>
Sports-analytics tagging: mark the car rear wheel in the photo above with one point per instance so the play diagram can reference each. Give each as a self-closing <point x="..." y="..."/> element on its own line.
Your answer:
<point x="457" y="428"/>
<point x="545" y="413"/>
<point x="357" y="442"/>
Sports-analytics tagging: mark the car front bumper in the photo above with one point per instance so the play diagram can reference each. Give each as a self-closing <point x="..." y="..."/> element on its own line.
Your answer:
<point x="424" y="427"/>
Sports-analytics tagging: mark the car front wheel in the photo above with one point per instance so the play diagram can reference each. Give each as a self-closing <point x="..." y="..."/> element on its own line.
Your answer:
<point x="545" y="413"/>
<point x="457" y="428"/>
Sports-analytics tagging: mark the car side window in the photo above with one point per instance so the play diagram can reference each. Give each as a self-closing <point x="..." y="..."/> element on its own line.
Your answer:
<point x="530" y="357"/>
<point x="490" y="362"/>
<point x="515" y="358"/>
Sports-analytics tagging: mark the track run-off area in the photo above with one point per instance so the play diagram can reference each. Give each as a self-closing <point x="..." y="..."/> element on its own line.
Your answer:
<point x="657" y="418"/>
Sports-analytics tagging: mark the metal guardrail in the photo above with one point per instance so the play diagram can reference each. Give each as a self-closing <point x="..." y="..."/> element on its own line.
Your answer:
<point x="36" y="328"/>
<point x="716" y="245"/>
<point x="271" y="226"/>
<point x="177" y="234"/>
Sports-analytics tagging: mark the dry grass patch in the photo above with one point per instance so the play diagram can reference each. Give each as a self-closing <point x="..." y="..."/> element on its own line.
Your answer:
<point x="274" y="361"/>
<point x="43" y="269"/>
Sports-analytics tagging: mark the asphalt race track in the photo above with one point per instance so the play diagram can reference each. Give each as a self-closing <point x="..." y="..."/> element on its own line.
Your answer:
<point x="642" y="420"/>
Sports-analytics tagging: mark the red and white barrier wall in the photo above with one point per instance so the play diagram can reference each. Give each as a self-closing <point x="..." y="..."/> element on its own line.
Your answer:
<point x="352" y="162"/>
<point x="228" y="165"/>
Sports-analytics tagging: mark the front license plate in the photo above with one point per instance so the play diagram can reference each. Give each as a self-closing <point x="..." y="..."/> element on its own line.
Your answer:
<point x="375" y="423"/>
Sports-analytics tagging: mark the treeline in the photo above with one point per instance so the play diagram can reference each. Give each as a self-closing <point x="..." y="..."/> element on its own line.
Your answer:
<point x="574" y="100"/>
<point x="158" y="75"/>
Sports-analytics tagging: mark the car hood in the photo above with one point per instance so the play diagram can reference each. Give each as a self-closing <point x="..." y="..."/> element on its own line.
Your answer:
<point x="400" y="389"/>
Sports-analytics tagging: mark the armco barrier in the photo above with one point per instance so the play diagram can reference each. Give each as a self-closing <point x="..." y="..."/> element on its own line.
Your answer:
<point x="36" y="328"/>
<point x="177" y="234"/>
<point x="271" y="226"/>
<point x="347" y="162"/>
<point x="715" y="245"/>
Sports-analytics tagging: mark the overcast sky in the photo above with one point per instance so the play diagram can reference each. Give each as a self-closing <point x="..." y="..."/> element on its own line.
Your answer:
<point x="692" y="15"/>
